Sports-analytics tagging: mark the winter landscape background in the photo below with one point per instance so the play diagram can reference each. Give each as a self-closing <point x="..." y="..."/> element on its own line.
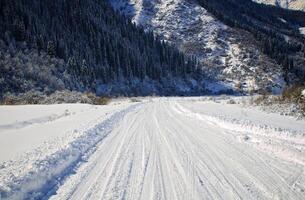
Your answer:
<point x="152" y="99"/>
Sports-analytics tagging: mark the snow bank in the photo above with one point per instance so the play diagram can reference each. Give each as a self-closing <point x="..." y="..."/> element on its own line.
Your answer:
<point x="36" y="173"/>
<point x="284" y="143"/>
<point x="248" y="126"/>
<point x="274" y="134"/>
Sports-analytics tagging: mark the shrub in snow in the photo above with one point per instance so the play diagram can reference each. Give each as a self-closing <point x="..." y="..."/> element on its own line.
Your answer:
<point x="293" y="93"/>
<point x="58" y="97"/>
<point x="66" y="96"/>
<point x="231" y="101"/>
<point x="134" y="100"/>
<point x="31" y="97"/>
<point x="291" y="102"/>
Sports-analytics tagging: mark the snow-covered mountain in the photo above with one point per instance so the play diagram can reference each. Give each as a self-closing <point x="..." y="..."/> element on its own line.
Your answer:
<point x="239" y="45"/>
<point x="289" y="4"/>
<point x="228" y="55"/>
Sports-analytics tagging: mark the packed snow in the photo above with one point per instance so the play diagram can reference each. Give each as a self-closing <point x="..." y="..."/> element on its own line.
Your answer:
<point x="38" y="142"/>
<point x="151" y="148"/>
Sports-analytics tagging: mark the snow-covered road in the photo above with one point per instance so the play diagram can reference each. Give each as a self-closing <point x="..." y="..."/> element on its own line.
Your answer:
<point x="173" y="148"/>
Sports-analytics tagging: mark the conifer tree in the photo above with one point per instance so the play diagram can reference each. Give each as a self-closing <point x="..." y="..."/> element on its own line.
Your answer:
<point x="51" y="48"/>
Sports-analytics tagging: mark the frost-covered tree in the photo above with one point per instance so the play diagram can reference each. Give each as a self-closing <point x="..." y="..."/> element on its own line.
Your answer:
<point x="114" y="49"/>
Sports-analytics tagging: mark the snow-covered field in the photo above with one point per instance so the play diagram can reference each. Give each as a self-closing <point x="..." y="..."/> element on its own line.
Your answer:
<point x="159" y="148"/>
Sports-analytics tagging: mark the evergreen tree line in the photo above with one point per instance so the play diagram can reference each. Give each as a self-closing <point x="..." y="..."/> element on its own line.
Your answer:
<point x="269" y="25"/>
<point x="98" y="45"/>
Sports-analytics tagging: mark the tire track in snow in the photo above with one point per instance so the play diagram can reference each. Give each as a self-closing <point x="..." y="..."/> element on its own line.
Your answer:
<point x="236" y="127"/>
<point x="159" y="152"/>
<point x="46" y="174"/>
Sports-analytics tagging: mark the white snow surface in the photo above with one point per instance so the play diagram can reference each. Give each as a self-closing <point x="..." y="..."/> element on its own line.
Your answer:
<point x="302" y="30"/>
<point x="24" y="128"/>
<point x="39" y="142"/>
<point x="153" y="148"/>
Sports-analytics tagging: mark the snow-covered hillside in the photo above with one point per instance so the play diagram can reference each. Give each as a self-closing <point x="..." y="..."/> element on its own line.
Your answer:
<point x="229" y="56"/>
<point x="290" y="4"/>
<point x="152" y="148"/>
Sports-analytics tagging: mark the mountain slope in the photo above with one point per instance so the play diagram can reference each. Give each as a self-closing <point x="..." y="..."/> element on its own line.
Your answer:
<point x="86" y="46"/>
<point x="289" y="4"/>
<point x="230" y="56"/>
<point x="101" y="51"/>
<point x="236" y="55"/>
<point x="275" y="29"/>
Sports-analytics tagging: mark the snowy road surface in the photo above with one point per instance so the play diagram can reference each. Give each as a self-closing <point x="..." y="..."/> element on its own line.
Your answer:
<point x="171" y="148"/>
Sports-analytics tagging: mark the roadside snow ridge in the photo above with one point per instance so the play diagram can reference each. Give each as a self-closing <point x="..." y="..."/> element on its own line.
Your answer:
<point x="37" y="174"/>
